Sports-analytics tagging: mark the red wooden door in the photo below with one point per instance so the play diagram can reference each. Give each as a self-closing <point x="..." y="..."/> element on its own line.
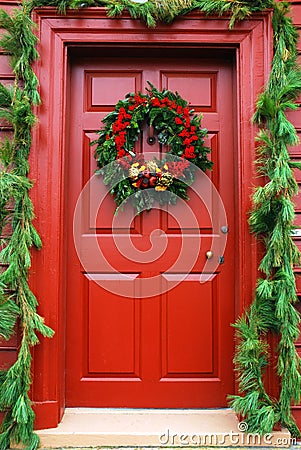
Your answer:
<point x="175" y="348"/>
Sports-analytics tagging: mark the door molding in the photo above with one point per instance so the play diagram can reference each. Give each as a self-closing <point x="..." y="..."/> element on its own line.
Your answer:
<point x="251" y="43"/>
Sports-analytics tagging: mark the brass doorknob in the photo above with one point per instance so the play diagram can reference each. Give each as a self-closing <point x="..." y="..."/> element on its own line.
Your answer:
<point x="209" y="254"/>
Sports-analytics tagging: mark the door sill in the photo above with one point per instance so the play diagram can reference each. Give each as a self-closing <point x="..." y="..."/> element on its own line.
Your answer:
<point x="95" y="427"/>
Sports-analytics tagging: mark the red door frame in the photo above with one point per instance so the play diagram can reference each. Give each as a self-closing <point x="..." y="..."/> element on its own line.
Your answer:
<point x="250" y="41"/>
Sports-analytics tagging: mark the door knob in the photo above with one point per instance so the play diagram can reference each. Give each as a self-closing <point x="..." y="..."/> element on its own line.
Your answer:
<point x="209" y="254"/>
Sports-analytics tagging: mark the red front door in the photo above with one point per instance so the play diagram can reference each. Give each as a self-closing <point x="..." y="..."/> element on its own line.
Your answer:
<point x="174" y="348"/>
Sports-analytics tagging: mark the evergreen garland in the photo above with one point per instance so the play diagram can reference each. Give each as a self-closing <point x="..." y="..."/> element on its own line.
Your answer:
<point x="271" y="219"/>
<point x="17" y="302"/>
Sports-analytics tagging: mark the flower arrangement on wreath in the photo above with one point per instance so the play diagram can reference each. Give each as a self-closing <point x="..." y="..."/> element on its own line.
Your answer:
<point x="178" y="128"/>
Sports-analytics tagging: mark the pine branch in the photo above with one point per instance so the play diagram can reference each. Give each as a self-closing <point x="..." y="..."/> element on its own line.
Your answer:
<point x="272" y="219"/>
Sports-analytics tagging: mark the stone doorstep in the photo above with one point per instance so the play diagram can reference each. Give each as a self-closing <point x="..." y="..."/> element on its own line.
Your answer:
<point x="93" y="427"/>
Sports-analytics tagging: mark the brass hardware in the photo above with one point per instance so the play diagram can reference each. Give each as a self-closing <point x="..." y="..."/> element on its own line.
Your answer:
<point x="209" y="254"/>
<point x="151" y="140"/>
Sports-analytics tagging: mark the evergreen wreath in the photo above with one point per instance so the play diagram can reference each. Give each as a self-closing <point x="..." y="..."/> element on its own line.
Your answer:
<point x="178" y="129"/>
<point x="271" y="219"/>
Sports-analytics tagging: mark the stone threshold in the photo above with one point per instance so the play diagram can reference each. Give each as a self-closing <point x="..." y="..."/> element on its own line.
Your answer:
<point x="159" y="428"/>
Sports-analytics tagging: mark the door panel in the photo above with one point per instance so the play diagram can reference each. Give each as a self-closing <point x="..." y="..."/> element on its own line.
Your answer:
<point x="182" y="334"/>
<point x="197" y="87"/>
<point x="168" y="343"/>
<point x="113" y="347"/>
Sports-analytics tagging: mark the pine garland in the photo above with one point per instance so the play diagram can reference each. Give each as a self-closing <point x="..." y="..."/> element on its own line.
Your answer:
<point x="17" y="302"/>
<point x="271" y="219"/>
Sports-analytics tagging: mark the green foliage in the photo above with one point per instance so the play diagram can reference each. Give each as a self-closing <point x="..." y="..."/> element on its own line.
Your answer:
<point x="237" y="10"/>
<point x="9" y="313"/>
<point x="154" y="11"/>
<point x="271" y="220"/>
<point x="19" y="42"/>
<point x="150" y="12"/>
<point x="17" y="302"/>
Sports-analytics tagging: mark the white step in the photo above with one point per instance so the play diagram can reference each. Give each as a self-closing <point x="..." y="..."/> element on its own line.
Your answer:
<point x="94" y="427"/>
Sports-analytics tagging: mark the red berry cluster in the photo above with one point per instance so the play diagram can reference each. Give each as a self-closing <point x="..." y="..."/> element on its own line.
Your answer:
<point x="187" y="132"/>
<point x="189" y="136"/>
<point x="136" y="101"/>
<point x="118" y="128"/>
<point x="176" y="168"/>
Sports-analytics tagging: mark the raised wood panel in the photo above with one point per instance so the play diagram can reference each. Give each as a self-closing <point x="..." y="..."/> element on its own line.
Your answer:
<point x="294" y="116"/>
<point x="296" y="13"/>
<point x="297" y="201"/>
<point x="181" y="219"/>
<point x="297" y="172"/>
<point x="5" y="69"/>
<point x="7" y="229"/>
<point x="200" y="201"/>
<point x="101" y="96"/>
<point x="12" y="342"/>
<point x="188" y="84"/>
<point x="107" y="223"/>
<point x="297" y="241"/>
<point x="187" y="324"/>
<point x="7" y="79"/>
<point x="100" y="199"/>
<point x="8" y="350"/>
<point x="8" y="5"/>
<point x="298" y="284"/>
<point x="295" y="151"/>
<point x="7" y="133"/>
<point x="212" y="141"/>
<point x="113" y="328"/>
<point x="7" y="358"/>
<point x="89" y="162"/>
<point x="297" y="222"/>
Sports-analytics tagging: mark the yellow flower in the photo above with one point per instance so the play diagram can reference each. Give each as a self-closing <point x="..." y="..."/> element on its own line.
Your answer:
<point x="133" y="172"/>
<point x="160" y="188"/>
<point x="152" y="166"/>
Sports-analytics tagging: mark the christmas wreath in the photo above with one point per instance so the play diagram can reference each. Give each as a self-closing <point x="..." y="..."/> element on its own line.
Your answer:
<point x="177" y="128"/>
